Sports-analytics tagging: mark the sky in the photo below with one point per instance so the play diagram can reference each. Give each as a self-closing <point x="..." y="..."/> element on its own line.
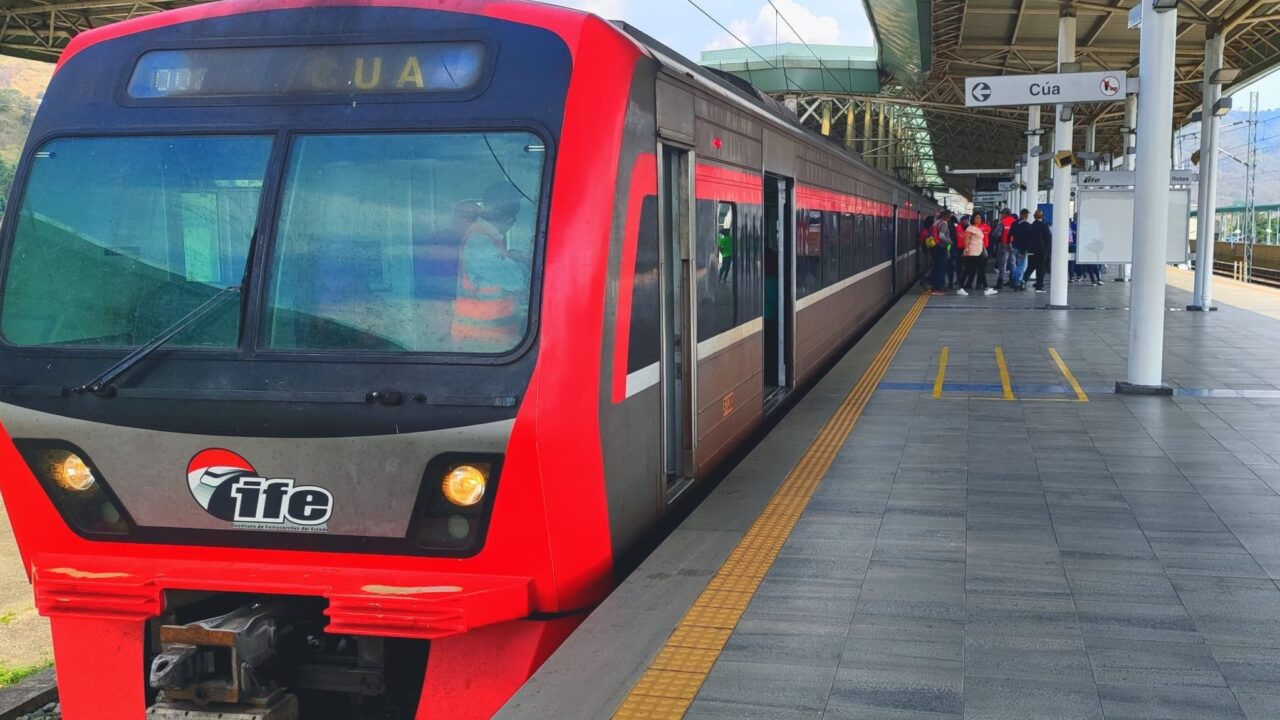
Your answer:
<point x="838" y="22"/>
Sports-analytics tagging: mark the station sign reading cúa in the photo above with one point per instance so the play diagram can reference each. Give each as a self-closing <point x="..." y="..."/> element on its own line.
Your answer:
<point x="1049" y="89"/>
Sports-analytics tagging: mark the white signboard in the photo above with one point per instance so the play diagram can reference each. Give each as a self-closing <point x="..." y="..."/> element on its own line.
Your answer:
<point x="1104" y="231"/>
<point x="988" y="198"/>
<point x="1102" y="178"/>
<point x="1007" y="185"/>
<point x="1048" y="89"/>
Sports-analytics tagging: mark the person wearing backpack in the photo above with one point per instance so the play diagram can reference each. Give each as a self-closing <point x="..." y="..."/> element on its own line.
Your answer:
<point x="940" y="253"/>
<point x="926" y="249"/>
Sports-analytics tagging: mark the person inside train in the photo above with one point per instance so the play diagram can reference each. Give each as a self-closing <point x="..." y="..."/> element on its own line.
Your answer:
<point x="493" y="281"/>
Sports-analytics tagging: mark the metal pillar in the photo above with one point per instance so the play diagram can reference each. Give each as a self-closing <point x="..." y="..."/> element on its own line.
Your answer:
<point x="1207" y="205"/>
<point x="848" y="127"/>
<point x="826" y="117"/>
<point x="1033" y="161"/>
<point x="1062" y="133"/>
<point x="881" y="143"/>
<point x="1151" y="201"/>
<point x="866" y="132"/>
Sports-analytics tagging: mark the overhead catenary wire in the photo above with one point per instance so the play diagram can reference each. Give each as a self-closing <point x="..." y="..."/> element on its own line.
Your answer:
<point x="800" y="37"/>
<point x="744" y="44"/>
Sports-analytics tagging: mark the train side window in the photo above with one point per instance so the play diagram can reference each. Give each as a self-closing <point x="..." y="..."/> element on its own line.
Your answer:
<point x="718" y="253"/>
<point x="848" y="250"/>
<point x="860" y="240"/>
<point x="809" y="254"/>
<point x="831" y="249"/>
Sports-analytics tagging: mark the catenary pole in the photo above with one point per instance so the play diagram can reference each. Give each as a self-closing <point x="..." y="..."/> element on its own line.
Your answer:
<point x="1202" y="298"/>
<point x="1062" y="134"/>
<point x="1151" y="200"/>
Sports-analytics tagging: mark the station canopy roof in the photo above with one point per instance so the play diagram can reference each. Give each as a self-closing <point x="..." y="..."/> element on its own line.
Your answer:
<point x="1004" y="37"/>
<point x="925" y="50"/>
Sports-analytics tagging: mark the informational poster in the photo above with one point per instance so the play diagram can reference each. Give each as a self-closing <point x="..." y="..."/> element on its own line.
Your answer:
<point x="1104" y="232"/>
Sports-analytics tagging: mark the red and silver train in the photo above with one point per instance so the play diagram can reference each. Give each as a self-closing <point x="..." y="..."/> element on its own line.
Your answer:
<point x="346" y="345"/>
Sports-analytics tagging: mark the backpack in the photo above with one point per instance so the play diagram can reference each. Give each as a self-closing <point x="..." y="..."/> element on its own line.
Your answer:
<point x="930" y="236"/>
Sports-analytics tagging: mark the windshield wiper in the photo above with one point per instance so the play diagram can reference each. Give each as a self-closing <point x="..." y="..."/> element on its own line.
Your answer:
<point x="104" y="384"/>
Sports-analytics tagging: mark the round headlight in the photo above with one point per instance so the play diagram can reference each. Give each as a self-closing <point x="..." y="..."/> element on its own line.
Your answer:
<point x="71" y="473"/>
<point x="464" y="485"/>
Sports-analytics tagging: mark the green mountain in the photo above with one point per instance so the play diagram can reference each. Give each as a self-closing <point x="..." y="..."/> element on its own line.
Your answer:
<point x="22" y="84"/>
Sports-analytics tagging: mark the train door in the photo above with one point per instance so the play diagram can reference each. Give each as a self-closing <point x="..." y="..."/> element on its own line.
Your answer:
<point x="679" y="337"/>
<point x="777" y="287"/>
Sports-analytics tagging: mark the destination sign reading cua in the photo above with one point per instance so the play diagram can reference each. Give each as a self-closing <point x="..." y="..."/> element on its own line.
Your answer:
<point x="1049" y="89"/>
<point x="308" y="70"/>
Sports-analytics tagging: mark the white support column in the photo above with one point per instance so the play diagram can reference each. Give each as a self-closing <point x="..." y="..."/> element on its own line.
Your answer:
<point x="881" y="139"/>
<point x="1202" y="298"/>
<point x="1033" y="162"/>
<point x="1151" y="201"/>
<point x="1091" y="144"/>
<point x="1062" y="132"/>
<point x="1131" y="137"/>
<point x="866" y="132"/>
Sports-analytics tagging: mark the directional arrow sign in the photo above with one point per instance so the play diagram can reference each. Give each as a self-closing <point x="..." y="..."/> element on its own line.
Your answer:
<point x="1048" y="89"/>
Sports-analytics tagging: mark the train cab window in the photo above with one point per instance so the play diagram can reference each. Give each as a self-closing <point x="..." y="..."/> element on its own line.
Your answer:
<point x="117" y="238"/>
<point x="418" y="242"/>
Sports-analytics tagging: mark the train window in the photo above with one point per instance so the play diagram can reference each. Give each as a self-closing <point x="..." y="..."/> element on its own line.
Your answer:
<point x="417" y="242"/>
<point x="864" y="242"/>
<point x="831" y="250"/>
<point x="717" y="267"/>
<point x="848" y="249"/>
<point x="117" y="238"/>
<point x="809" y="254"/>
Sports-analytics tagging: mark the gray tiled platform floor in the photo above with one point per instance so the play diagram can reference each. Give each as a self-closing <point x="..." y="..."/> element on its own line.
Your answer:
<point x="979" y="558"/>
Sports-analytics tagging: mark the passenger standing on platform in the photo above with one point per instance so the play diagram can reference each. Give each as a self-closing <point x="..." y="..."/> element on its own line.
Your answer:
<point x="926" y="248"/>
<point x="981" y="263"/>
<point x="1041" y="242"/>
<point x="1021" y="244"/>
<point x="971" y="254"/>
<point x="941" y="252"/>
<point x="1005" y="256"/>
<point x="957" y="249"/>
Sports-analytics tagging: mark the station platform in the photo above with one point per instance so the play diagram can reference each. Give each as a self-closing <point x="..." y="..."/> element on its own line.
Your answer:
<point x="962" y="520"/>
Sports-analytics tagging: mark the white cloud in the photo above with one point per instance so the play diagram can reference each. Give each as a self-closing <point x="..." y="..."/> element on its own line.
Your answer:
<point x="767" y="27"/>
<point x="607" y="9"/>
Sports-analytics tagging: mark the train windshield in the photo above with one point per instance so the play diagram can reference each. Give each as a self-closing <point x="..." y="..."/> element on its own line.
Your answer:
<point x="409" y="242"/>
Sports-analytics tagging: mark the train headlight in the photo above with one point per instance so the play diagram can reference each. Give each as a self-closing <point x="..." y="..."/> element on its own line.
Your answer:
<point x="455" y="503"/>
<point x="75" y="486"/>
<point x="464" y="485"/>
<point x="71" y="472"/>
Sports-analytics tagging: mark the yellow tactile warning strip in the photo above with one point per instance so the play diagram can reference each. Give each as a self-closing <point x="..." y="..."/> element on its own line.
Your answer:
<point x="674" y="676"/>
<point x="1066" y="373"/>
<point x="1005" y="385"/>
<point x="941" y="379"/>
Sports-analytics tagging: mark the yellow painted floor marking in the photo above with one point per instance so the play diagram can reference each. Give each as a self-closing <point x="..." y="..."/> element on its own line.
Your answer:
<point x="942" y="372"/>
<point x="674" y="676"/>
<point x="1004" y="374"/>
<point x="1071" y="379"/>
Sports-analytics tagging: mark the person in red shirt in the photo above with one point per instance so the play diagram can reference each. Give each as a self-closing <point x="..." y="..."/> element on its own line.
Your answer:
<point x="1005" y="255"/>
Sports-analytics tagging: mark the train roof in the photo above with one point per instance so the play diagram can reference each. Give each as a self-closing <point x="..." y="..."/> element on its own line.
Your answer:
<point x="743" y="91"/>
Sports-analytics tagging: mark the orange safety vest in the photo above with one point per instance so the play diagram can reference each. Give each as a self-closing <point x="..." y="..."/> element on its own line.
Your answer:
<point x="483" y="312"/>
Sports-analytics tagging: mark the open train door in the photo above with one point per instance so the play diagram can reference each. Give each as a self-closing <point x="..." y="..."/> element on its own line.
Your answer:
<point x="679" y="335"/>
<point x="779" y="281"/>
